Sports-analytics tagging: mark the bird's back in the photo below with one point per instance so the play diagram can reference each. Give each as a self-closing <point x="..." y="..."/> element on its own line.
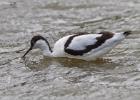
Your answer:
<point x="86" y="46"/>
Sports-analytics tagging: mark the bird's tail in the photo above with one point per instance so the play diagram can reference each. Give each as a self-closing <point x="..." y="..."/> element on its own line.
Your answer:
<point x="126" y="33"/>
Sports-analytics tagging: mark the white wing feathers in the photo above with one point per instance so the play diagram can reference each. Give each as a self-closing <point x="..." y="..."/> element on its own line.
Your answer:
<point x="80" y="42"/>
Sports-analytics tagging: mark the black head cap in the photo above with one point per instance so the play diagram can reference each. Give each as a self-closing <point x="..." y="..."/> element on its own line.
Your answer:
<point x="33" y="41"/>
<point x="126" y="33"/>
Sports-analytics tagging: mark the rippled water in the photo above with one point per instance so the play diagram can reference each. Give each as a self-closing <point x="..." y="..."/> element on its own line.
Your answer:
<point x="115" y="77"/>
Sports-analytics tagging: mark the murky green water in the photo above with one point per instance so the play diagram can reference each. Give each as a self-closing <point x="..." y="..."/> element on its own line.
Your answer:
<point x="41" y="78"/>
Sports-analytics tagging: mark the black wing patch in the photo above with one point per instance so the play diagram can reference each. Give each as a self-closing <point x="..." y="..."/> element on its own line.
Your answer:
<point x="100" y="41"/>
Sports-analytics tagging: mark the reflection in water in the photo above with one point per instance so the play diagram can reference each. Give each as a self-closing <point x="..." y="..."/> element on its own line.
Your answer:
<point x="71" y="63"/>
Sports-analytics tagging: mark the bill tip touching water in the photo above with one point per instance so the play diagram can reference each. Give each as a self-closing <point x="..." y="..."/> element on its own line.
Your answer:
<point x="82" y="45"/>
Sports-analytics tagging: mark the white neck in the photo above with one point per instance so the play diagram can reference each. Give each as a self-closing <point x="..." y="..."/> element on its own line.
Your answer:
<point x="46" y="50"/>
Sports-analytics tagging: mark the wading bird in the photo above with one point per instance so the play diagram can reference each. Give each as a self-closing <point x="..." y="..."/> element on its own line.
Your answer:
<point x="81" y="45"/>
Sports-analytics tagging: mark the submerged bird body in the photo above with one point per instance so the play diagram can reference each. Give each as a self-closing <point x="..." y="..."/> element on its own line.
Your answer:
<point x="80" y="46"/>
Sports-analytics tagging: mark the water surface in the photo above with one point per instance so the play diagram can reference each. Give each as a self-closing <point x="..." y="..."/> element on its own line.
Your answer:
<point x="116" y="76"/>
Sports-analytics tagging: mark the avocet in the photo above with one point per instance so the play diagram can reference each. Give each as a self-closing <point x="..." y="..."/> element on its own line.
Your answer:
<point x="81" y="45"/>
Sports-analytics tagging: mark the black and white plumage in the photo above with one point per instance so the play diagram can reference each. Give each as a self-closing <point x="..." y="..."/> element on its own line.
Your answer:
<point x="82" y="45"/>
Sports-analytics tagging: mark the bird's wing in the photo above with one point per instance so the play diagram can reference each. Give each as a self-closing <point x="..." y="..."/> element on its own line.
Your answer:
<point x="81" y="44"/>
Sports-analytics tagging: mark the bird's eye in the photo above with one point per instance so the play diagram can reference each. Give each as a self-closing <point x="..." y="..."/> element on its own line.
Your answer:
<point x="32" y="43"/>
